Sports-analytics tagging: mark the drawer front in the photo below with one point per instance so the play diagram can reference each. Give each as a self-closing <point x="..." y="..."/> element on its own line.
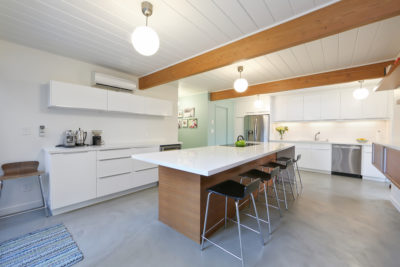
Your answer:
<point x="367" y="149"/>
<point x="113" y="184"/>
<point x="109" y="167"/>
<point x="114" y="153"/>
<point x="139" y="165"/>
<point x="321" y="146"/>
<point x="145" y="177"/>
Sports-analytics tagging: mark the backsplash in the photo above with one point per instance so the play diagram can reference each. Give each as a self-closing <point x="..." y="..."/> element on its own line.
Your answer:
<point x="373" y="130"/>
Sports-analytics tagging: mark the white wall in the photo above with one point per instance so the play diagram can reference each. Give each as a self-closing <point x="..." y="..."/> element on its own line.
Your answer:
<point x="395" y="134"/>
<point x="336" y="131"/>
<point x="24" y="75"/>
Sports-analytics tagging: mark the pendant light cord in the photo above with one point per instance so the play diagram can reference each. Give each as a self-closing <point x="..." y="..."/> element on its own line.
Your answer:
<point x="147" y="17"/>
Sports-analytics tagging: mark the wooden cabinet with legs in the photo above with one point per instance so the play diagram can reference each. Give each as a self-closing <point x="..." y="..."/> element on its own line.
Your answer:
<point x="392" y="169"/>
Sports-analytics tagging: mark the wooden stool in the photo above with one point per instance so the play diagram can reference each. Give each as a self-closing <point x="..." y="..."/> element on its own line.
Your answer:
<point x="23" y="170"/>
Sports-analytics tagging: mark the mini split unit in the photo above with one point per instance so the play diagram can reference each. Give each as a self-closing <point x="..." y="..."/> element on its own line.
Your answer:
<point x="112" y="81"/>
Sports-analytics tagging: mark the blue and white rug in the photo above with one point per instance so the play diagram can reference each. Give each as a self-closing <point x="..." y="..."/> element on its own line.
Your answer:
<point x="52" y="246"/>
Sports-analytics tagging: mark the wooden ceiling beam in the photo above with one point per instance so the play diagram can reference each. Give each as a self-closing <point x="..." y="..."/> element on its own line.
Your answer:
<point x="371" y="71"/>
<point x="338" y="17"/>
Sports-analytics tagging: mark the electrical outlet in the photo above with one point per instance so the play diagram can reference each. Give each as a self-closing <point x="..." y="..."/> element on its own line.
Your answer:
<point x="42" y="131"/>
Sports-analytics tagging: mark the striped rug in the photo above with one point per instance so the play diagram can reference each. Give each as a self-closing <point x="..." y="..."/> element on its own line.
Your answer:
<point x="52" y="246"/>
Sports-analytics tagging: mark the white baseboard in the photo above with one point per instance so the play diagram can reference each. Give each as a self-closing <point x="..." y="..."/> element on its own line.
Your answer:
<point x="313" y="170"/>
<point x="395" y="203"/>
<point x="20" y="207"/>
<point x="98" y="200"/>
<point x="376" y="179"/>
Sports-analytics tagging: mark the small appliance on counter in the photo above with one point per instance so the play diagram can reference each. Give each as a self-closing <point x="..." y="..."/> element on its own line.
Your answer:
<point x="80" y="137"/>
<point x="97" y="137"/>
<point x="69" y="138"/>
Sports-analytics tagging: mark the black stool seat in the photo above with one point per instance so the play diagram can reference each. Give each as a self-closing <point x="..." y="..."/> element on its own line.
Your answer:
<point x="284" y="159"/>
<point x="229" y="188"/>
<point x="256" y="174"/>
<point x="274" y="165"/>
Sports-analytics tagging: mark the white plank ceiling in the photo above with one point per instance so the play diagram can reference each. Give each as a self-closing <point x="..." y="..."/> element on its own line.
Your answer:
<point x="98" y="31"/>
<point x="371" y="43"/>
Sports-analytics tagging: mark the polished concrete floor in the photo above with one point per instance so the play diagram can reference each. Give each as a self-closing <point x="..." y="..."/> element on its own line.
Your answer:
<point x="337" y="221"/>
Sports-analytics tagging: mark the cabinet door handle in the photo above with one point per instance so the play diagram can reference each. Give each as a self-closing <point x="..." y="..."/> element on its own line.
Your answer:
<point x="127" y="157"/>
<point x="146" y="169"/>
<point x="110" y="149"/>
<point x="72" y="152"/>
<point x="118" y="174"/>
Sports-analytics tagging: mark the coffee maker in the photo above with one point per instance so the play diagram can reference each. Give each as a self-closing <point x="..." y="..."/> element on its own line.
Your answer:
<point x="97" y="137"/>
<point x="69" y="138"/>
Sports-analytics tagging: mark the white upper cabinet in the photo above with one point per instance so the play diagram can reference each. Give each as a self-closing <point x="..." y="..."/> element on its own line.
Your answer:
<point x="350" y="108"/>
<point x="67" y="95"/>
<point x="330" y="105"/>
<point x="123" y="102"/>
<point x="376" y="105"/>
<point x="294" y="108"/>
<point x="312" y="107"/>
<point x="279" y="110"/>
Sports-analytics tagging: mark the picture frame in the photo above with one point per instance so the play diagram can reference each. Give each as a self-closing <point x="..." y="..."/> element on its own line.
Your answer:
<point x="180" y="113"/>
<point x="179" y="123"/>
<point x="184" y="123"/>
<point x="193" y="123"/>
<point x="188" y="112"/>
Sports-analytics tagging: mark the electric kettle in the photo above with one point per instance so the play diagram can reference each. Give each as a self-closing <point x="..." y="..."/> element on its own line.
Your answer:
<point x="80" y="136"/>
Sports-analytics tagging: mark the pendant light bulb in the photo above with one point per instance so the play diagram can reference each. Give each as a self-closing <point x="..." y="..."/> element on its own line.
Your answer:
<point x="144" y="39"/>
<point x="360" y="93"/>
<point x="240" y="85"/>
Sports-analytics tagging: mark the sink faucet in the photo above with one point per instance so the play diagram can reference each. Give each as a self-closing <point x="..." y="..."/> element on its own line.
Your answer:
<point x="316" y="137"/>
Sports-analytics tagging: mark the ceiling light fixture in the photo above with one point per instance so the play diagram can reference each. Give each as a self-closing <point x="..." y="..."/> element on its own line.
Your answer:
<point x="240" y="84"/>
<point x="144" y="39"/>
<point x="258" y="103"/>
<point x="360" y="93"/>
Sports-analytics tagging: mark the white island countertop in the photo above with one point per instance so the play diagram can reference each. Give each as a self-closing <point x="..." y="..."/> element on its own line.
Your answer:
<point x="210" y="160"/>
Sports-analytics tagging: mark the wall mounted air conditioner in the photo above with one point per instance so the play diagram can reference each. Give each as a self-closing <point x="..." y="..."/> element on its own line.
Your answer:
<point x="112" y="81"/>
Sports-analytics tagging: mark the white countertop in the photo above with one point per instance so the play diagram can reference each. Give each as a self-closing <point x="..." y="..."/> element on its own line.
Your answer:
<point x="55" y="150"/>
<point x="211" y="159"/>
<point x="323" y="142"/>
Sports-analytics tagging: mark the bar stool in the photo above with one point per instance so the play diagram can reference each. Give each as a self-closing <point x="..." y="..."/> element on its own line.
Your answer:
<point x="233" y="190"/>
<point x="283" y="167"/>
<point x="285" y="159"/>
<point x="23" y="170"/>
<point x="265" y="177"/>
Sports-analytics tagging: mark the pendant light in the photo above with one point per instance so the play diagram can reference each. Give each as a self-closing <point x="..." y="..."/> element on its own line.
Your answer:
<point x="144" y="39"/>
<point x="240" y="84"/>
<point x="360" y="93"/>
<point x="258" y="103"/>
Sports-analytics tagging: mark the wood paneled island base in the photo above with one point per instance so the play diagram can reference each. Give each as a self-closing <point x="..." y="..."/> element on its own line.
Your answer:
<point x="183" y="197"/>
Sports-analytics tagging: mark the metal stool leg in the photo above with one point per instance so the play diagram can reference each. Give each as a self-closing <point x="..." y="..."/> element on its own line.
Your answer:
<point x="258" y="220"/>
<point x="276" y="197"/>
<point x="266" y="204"/>
<point x="240" y="233"/>
<point x="1" y="186"/>
<point x="43" y="198"/>
<point x="301" y="183"/>
<point x="226" y="208"/>
<point x="205" y="222"/>
<point x="284" y="191"/>
<point x="295" y="179"/>
<point x="290" y="183"/>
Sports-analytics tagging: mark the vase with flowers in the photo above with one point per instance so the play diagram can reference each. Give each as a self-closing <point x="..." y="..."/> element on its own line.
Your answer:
<point x="282" y="130"/>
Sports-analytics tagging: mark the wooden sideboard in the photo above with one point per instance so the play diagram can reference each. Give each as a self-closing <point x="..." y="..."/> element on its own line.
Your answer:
<point x="387" y="160"/>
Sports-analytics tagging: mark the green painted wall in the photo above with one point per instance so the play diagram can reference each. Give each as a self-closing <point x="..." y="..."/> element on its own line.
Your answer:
<point x="195" y="137"/>
<point x="229" y="104"/>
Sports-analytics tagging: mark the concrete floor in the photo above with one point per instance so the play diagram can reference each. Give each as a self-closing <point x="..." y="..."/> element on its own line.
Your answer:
<point x="337" y="221"/>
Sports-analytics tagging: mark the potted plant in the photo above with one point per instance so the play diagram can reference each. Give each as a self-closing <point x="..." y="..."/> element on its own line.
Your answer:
<point x="282" y="130"/>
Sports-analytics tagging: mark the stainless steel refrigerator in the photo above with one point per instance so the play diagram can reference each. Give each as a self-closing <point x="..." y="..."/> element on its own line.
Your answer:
<point x="256" y="128"/>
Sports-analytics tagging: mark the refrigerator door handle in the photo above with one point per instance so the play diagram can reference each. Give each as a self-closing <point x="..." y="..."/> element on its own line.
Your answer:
<point x="255" y="131"/>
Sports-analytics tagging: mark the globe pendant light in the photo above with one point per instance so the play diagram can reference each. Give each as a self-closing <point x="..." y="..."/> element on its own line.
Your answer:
<point x="360" y="93"/>
<point x="240" y="84"/>
<point x="144" y="39"/>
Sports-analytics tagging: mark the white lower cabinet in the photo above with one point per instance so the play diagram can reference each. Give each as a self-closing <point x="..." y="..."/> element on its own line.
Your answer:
<point x="368" y="170"/>
<point x="72" y="178"/>
<point x="76" y="177"/>
<point x="315" y="156"/>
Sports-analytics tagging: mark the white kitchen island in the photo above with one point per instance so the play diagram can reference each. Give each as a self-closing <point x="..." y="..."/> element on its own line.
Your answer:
<point x="185" y="175"/>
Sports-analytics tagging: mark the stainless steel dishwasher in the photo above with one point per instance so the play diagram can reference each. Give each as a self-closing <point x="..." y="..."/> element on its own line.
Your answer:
<point x="346" y="160"/>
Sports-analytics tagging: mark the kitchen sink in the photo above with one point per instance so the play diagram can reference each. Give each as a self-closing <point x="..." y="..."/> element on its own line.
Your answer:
<point x="247" y="144"/>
